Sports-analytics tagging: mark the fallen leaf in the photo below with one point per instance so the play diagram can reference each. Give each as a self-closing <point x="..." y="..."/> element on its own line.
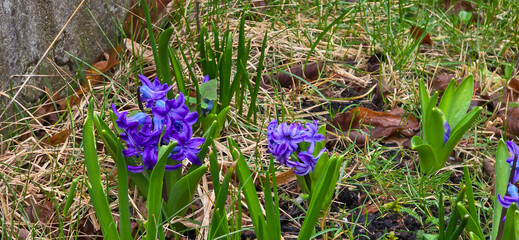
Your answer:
<point x="41" y="212"/>
<point x="287" y="79"/>
<point x="417" y="33"/>
<point x="372" y="208"/>
<point x="363" y="124"/>
<point x="59" y="138"/>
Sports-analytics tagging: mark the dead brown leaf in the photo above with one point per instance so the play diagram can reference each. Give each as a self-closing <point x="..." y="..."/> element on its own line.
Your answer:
<point x="363" y="124"/>
<point x="59" y="138"/>
<point x="417" y="33"/>
<point x="287" y="80"/>
<point x="41" y="212"/>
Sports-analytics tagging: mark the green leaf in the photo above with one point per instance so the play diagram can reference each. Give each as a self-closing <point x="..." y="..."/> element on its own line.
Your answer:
<point x="472" y="225"/>
<point x="259" y="73"/>
<point x="208" y="90"/>
<point x="509" y="231"/>
<point x="314" y="209"/>
<point x="502" y="175"/>
<point x="516" y="225"/>
<point x="154" y="203"/>
<point x="472" y="203"/>
<point x="163" y="63"/>
<point x="95" y="187"/>
<point x="424" y="103"/>
<point x="272" y="204"/>
<point x="435" y="132"/>
<point x="426" y="155"/>
<point x="457" y="132"/>
<point x="249" y="191"/>
<point x="456" y="108"/>
<point x="182" y="192"/>
<point x="153" y="43"/>
<point x="177" y="70"/>
<point x="455" y="214"/>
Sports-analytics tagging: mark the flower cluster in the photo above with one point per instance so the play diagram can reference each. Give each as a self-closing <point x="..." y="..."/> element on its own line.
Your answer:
<point x="284" y="140"/>
<point x="170" y="120"/>
<point x="512" y="190"/>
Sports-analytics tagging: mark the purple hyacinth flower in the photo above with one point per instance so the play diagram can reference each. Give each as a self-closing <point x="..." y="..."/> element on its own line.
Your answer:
<point x="312" y="136"/>
<point x="291" y="135"/>
<point x="126" y="123"/>
<point x="155" y="91"/>
<point x="506" y="201"/>
<point x="189" y="147"/>
<point x="446" y="132"/>
<point x="307" y="164"/>
<point x="149" y="160"/>
<point x="514" y="151"/>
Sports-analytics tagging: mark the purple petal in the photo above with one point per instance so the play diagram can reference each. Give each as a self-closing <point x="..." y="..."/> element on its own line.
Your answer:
<point x="173" y="167"/>
<point x="135" y="169"/>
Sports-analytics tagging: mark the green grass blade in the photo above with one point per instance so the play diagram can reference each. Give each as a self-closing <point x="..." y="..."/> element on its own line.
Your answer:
<point x="97" y="194"/>
<point x="459" y="230"/>
<point x="153" y="44"/>
<point x="177" y="70"/>
<point x="220" y="224"/>
<point x="154" y="203"/>
<point x="441" y="217"/>
<point x="214" y="169"/>
<point x="163" y="63"/>
<point x="254" y="92"/>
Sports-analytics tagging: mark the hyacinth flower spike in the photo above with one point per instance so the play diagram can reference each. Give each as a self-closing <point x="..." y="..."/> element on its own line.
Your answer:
<point x="151" y="92"/>
<point x="284" y="141"/>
